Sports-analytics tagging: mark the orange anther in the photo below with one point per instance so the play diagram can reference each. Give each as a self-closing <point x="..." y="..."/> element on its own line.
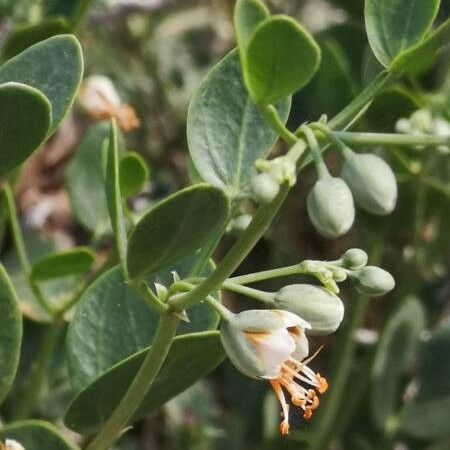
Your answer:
<point x="308" y="414"/>
<point x="284" y="428"/>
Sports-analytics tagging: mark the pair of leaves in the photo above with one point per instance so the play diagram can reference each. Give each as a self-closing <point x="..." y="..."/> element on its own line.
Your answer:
<point x="278" y="56"/>
<point x="396" y="26"/>
<point x="37" y="88"/>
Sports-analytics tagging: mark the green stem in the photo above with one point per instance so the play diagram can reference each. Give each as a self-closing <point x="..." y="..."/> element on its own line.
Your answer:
<point x="261" y="296"/>
<point x="238" y="252"/>
<point x="296" y="269"/>
<point x="344" y="118"/>
<point x="30" y="396"/>
<point x="141" y="384"/>
<point x="321" y="168"/>
<point x="270" y="113"/>
<point x="390" y="139"/>
<point x="21" y="250"/>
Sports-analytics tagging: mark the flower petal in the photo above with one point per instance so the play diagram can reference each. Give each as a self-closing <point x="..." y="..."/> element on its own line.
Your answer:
<point x="290" y="319"/>
<point x="273" y="348"/>
<point x="301" y="344"/>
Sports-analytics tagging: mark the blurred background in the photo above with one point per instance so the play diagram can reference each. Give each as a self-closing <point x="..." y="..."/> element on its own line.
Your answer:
<point x="151" y="55"/>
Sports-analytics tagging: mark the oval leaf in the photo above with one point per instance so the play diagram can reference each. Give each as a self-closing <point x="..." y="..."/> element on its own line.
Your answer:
<point x="10" y="333"/>
<point x="25" y="116"/>
<point x="394" y="356"/>
<point x="281" y="58"/>
<point x="394" y="26"/>
<point x="248" y="14"/>
<point x="85" y="181"/>
<point x="427" y="416"/>
<point x="224" y="151"/>
<point x="190" y="358"/>
<point x="133" y="174"/>
<point x="58" y="265"/>
<point x="176" y="228"/>
<point x="35" y="435"/>
<point x="114" y="193"/>
<point x="24" y="36"/>
<point x="111" y="323"/>
<point x="54" y="66"/>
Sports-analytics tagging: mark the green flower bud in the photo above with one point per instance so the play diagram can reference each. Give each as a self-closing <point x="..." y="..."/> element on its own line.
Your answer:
<point x="374" y="282"/>
<point x="330" y="207"/>
<point x="323" y="310"/>
<point x="372" y="182"/>
<point x="354" y="259"/>
<point x="264" y="187"/>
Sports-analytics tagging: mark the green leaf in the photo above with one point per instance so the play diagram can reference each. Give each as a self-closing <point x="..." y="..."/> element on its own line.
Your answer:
<point x="36" y="435"/>
<point x="427" y="416"/>
<point x="133" y="174"/>
<point x="75" y="261"/>
<point x="85" y="181"/>
<point x="176" y="228"/>
<point x="281" y="58"/>
<point x="25" y="115"/>
<point x="419" y="58"/>
<point x="190" y="358"/>
<point x="57" y="291"/>
<point x="224" y="152"/>
<point x="113" y="193"/>
<point x="394" y="26"/>
<point x="111" y="323"/>
<point x="23" y="37"/>
<point x="54" y="66"/>
<point x="10" y="333"/>
<point x="393" y="358"/>
<point x="248" y="14"/>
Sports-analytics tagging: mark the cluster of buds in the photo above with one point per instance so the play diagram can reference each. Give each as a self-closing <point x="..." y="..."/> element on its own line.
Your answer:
<point x="366" y="179"/>
<point x="421" y="123"/>
<point x="273" y="344"/>
<point x="11" y="444"/>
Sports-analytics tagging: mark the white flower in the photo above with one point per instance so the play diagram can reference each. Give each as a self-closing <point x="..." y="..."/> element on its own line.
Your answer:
<point x="272" y="345"/>
<point x="100" y="100"/>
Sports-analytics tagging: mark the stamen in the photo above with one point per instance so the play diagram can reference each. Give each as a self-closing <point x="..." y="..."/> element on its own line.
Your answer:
<point x="323" y="384"/>
<point x="284" y="426"/>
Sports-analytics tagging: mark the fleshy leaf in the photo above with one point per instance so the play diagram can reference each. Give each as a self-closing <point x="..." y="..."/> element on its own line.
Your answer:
<point x="190" y="358"/>
<point x="53" y="66"/>
<point x="394" y="26"/>
<point x="226" y="133"/>
<point x="10" y="333"/>
<point x="281" y="58"/>
<point x="25" y="116"/>
<point x="176" y="228"/>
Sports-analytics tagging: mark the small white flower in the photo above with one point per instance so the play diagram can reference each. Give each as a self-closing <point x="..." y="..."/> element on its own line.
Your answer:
<point x="272" y="345"/>
<point x="100" y="100"/>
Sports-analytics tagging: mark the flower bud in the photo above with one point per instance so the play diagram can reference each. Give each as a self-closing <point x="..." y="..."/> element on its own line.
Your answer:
<point x="374" y="282"/>
<point x="240" y="223"/>
<point x="323" y="310"/>
<point x="372" y="182"/>
<point x="264" y="187"/>
<point x="354" y="259"/>
<point x="330" y="207"/>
